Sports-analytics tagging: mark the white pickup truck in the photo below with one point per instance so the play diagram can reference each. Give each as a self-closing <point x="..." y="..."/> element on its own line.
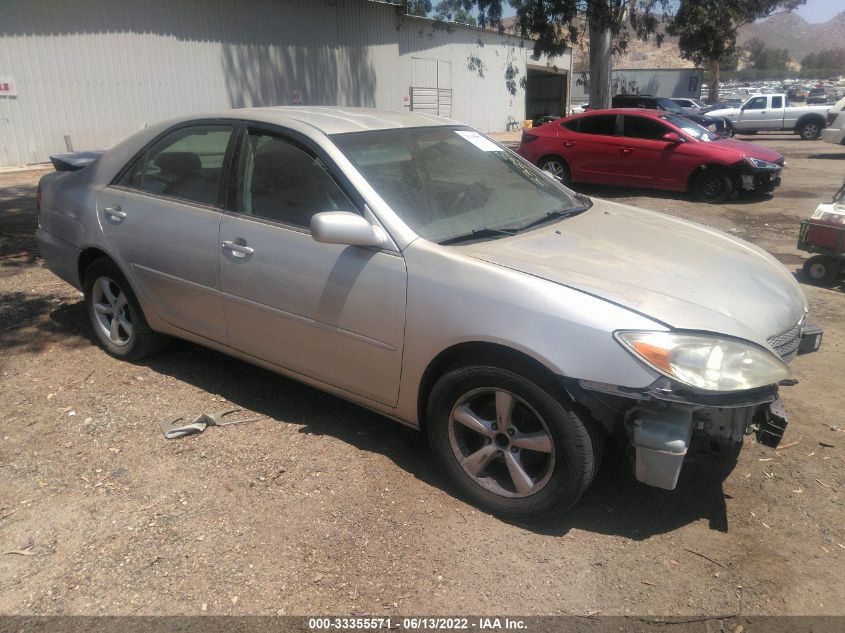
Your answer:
<point x="772" y="113"/>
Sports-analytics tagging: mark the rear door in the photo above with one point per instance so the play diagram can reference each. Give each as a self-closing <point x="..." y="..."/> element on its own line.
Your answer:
<point x="161" y="218"/>
<point x="592" y="149"/>
<point x="330" y="312"/>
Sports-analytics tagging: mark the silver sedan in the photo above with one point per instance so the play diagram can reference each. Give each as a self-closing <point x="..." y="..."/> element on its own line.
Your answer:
<point x="415" y="267"/>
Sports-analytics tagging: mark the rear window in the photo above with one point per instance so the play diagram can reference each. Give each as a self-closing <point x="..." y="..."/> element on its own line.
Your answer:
<point x="603" y="124"/>
<point x="571" y="125"/>
<point x="777" y="102"/>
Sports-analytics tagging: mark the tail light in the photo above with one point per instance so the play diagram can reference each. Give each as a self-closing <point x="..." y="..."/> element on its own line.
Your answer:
<point x="527" y="138"/>
<point x="831" y="117"/>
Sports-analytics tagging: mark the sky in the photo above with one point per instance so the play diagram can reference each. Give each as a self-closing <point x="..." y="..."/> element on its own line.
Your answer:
<point x="820" y="10"/>
<point x="812" y="11"/>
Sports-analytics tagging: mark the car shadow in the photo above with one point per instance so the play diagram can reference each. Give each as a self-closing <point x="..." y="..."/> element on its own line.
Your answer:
<point x="802" y="278"/>
<point x="615" y="505"/>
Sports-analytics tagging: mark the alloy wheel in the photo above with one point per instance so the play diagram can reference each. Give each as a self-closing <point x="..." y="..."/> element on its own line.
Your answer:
<point x="111" y="311"/>
<point x="555" y="168"/>
<point x="501" y="442"/>
<point x="712" y="187"/>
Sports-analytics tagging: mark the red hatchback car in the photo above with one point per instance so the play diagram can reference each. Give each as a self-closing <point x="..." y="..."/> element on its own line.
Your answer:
<point x="652" y="149"/>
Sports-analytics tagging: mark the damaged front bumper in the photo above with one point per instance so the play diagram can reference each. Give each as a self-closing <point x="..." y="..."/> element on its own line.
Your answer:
<point x="760" y="181"/>
<point x="667" y="419"/>
<point x="664" y="421"/>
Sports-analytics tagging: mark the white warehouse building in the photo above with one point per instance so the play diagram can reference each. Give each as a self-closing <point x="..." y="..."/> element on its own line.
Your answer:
<point x="85" y="74"/>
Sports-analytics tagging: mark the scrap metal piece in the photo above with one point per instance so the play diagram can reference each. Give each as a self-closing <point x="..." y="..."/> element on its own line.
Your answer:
<point x="172" y="429"/>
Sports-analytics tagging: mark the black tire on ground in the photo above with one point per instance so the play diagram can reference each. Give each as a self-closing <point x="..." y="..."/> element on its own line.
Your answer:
<point x="821" y="270"/>
<point x="810" y="130"/>
<point x="558" y="167"/>
<point x="563" y="474"/>
<point x="109" y="298"/>
<point x="712" y="185"/>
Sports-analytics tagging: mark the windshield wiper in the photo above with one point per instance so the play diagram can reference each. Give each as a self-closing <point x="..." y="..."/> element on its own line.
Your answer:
<point x="480" y="232"/>
<point x="551" y="215"/>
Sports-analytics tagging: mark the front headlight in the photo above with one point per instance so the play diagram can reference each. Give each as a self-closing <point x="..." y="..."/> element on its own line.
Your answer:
<point x="706" y="362"/>
<point x="756" y="163"/>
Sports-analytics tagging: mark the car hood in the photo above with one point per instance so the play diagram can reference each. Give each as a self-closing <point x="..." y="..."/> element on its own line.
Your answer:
<point x="742" y="148"/>
<point x="682" y="274"/>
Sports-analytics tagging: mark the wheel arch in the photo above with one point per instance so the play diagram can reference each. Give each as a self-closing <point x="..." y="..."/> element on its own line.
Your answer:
<point x="481" y="352"/>
<point x="728" y="169"/>
<point x="810" y="117"/>
<point x="87" y="257"/>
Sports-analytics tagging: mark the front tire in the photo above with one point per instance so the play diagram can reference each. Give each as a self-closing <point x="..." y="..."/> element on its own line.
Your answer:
<point x="712" y="186"/>
<point x="821" y="270"/>
<point x="508" y="445"/>
<point x="116" y="316"/>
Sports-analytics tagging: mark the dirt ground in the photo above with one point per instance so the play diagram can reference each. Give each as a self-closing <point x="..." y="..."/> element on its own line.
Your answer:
<point x="323" y="507"/>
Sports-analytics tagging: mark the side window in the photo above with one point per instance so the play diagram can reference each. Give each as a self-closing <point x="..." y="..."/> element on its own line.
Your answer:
<point x="186" y="164"/>
<point x="604" y="124"/>
<point x="777" y="102"/>
<point x="757" y="103"/>
<point x="643" y="127"/>
<point x="281" y="182"/>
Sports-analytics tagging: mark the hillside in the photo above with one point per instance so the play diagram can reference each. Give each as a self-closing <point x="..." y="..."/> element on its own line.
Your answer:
<point x="782" y="30"/>
<point x="795" y="34"/>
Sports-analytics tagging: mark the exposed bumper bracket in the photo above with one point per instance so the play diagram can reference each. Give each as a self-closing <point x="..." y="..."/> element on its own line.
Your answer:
<point x="771" y="424"/>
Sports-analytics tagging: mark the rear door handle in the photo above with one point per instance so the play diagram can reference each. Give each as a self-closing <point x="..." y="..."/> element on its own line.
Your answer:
<point x="115" y="213"/>
<point x="238" y="250"/>
<point x="569" y="143"/>
<point x="626" y="150"/>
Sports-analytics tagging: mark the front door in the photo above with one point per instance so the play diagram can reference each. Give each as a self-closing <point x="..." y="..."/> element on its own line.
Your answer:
<point x="329" y="312"/>
<point x="753" y="114"/>
<point x="161" y="220"/>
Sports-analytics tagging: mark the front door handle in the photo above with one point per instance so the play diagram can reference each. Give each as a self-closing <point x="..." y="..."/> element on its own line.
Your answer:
<point x="115" y="213"/>
<point x="238" y="250"/>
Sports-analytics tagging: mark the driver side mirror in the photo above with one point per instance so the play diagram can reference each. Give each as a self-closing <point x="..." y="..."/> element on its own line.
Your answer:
<point x="344" y="227"/>
<point x="672" y="137"/>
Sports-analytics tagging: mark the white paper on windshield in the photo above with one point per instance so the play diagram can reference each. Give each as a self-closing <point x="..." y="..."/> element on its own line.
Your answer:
<point x="484" y="144"/>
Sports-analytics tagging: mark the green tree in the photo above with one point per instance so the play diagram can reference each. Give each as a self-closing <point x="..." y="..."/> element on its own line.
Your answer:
<point x="707" y="29"/>
<point x="827" y="63"/>
<point x="453" y="11"/>
<point x="765" y="60"/>
<point x="418" y="7"/>
<point x="557" y="24"/>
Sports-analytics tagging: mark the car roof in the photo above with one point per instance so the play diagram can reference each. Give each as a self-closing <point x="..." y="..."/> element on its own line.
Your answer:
<point x="332" y="119"/>
<point x="644" y="111"/>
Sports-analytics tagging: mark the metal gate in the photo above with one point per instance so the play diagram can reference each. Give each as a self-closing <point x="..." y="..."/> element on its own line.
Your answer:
<point x="432" y="101"/>
<point x="431" y="86"/>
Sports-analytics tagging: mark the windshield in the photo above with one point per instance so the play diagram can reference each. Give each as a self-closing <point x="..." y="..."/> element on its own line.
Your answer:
<point x="446" y="182"/>
<point x="692" y="129"/>
<point x="670" y="106"/>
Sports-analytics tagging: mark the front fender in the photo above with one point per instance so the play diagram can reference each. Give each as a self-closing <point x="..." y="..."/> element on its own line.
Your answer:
<point x="453" y="299"/>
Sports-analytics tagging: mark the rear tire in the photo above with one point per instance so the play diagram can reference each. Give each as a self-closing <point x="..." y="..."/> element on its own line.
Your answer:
<point x="821" y="270"/>
<point x="810" y="131"/>
<point x="508" y="445"/>
<point x="115" y="314"/>
<point x="712" y="186"/>
<point x="558" y="168"/>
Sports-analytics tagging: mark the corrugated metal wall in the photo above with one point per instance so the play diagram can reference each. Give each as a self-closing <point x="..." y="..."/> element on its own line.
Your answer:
<point x="97" y="70"/>
<point x="660" y="82"/>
